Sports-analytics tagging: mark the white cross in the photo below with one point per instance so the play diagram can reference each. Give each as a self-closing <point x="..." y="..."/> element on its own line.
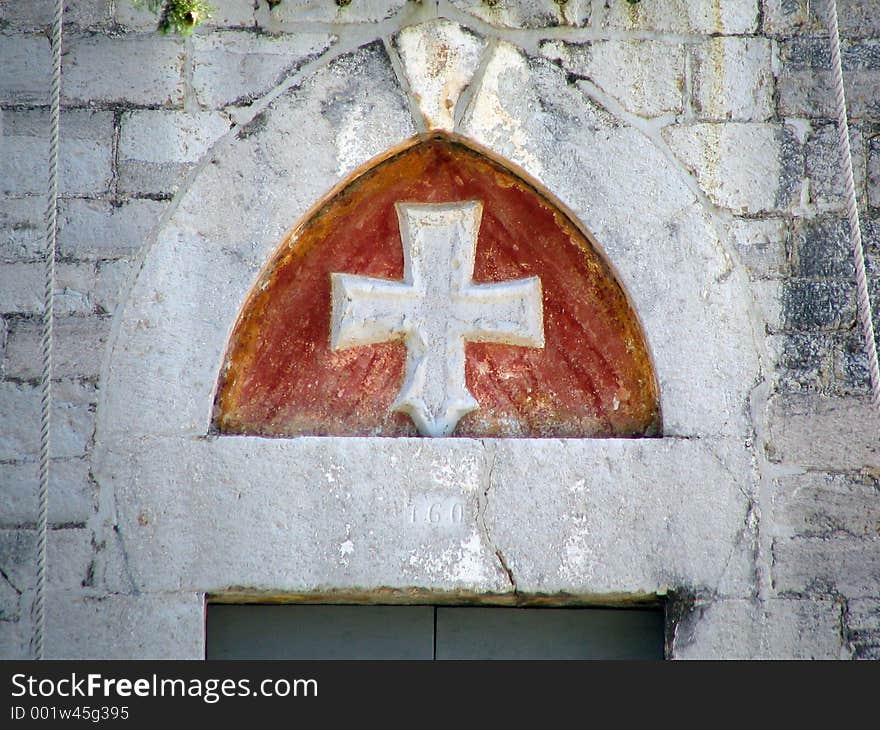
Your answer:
<point x="434" y="310"/>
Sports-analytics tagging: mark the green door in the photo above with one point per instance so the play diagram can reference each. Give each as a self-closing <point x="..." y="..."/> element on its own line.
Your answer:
<point x="431" y="632"/>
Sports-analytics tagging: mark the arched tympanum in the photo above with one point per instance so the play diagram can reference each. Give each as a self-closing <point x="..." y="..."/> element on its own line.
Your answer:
<point x="294" y="365"/>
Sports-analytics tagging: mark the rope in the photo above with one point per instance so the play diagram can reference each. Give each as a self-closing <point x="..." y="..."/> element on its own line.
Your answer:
<point x="46" y="340"/>
<point x="852" y="210"/>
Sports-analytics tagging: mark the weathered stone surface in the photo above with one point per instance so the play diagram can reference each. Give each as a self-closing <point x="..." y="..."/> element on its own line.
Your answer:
<point x="27" y="68"/>
<point x="86" y="154"/>
<point x="22" y="234"/>
<point x="39" y="13"/>
<point x="92" y="229"/>
<point x="71" y="498"/>
<point x="826" y="505"/>
<point x="846" y="566"/>
<point x="18" y="550"/>
<point x="15" y="639"/>
<point x="527" y="112"/>
<point x="174" y="510"/>
<point x="265" y="182"/>
<point x="822" y="154"/>
<point x="646" y="77"/>
<point x="21" y="288"/>
<point x="79" y="344"/>
<point x="145" y="70"/>
<point x="809" y="304"/>
<point x="72" y="420"/>
<point x="862" y="619"/>
<point x="528" y="13"/>
<point x="823" y="248"/>
<point x="684" y="16"/>
<point x="599" y="538"/>
<point x="824" y="433"/>
<point x="775" y="629"/>
<point x="733" y="79"/>
<point x="761" y="244"/>
<point x="747" y="168"/>
<point x="75" y="283"/>
<point x="114" y="279"/>
<point x="154" y="626"/>
<point x="439" y="59"/>
<point x="285" y="16"/>
<point x="854" y="17"/>
<point x="805" y="361"/>
<point x="169" y="136"/>
<point x="235" y="68"/>
<point x="805" y="85"/>
<point x="873" y="181"/>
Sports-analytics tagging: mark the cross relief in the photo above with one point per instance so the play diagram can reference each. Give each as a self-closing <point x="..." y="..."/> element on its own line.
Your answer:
<point x="435" y="310"/>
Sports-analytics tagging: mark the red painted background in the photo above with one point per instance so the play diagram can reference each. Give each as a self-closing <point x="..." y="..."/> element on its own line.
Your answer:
<point x="593" y="378"/>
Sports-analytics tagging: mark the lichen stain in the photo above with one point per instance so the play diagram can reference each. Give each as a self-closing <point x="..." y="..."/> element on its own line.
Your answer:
<point x="593" y="378"/>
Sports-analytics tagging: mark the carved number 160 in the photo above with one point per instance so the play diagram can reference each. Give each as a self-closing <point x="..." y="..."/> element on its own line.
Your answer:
<point x="437" y="513"/>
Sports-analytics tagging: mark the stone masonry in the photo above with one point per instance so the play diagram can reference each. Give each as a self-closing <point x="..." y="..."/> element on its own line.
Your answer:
<point x="732" y="96"/>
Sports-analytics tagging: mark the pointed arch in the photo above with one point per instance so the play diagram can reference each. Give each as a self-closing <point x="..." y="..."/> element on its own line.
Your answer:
<point x="593" y="378"/>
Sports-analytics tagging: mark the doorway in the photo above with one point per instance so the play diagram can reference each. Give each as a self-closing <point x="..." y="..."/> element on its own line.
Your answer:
<point x="432" y="632"/>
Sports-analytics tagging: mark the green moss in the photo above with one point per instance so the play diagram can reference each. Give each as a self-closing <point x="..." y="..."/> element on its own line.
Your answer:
<point x="179" y="16"/>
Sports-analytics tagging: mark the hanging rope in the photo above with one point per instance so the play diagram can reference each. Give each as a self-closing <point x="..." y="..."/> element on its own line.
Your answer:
<point x="48" y="322"/>
<point x="852" y="210"/>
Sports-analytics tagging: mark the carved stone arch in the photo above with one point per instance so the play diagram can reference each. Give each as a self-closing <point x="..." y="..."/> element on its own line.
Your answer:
<point x="598" y="519"/>
<point x="593" y="375"/>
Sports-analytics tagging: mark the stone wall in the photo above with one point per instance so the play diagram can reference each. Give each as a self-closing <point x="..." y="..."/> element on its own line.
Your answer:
<point x="734" y="95"/>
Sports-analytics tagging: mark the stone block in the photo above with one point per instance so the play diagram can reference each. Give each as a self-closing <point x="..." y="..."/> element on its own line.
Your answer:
<point x="826" y="505"/>
<point x="21" y="288"/>
<point x="788" y="17"/>
<point x="93" y="229"/>
<point x="78" y="348"/>
<point x="814" y="432"/>
<point x="805" y="87"/>
<point x="528" y="13"/>
<point x="15" y="639"/>
<point x="873" y="177"/>
<point x="684" y="16"/>
<point x="439" y="59"/>
<point x="74" y="288"/>
<point x="809" y="304"/>
<point x="20" y="421"/>
<point x="155" y="626"/>
<point x="235" y="68"/>
<point x="287" y="15"/>
<point x="26" y="61"/>
<point x="804" y="361"/>
<point x="141" y="70"/>
<point x="22" y="231"/>
<point x="775" y="629"/>
<point x="37" y="14"/>
<point x="646" y="77"/>
<point x="862" y="620"/>
<point x="744" y="167"/>
<point x="73" y="406"/>
<point x="685" y="497"/>
<point x="823" y="248"/>
<point x="851" y="374"/>
<point x="733" y="79"/>
<point x="839" y="566"/>
<point x="152" y="179"/>
<point x="823" y="166"/>
<point x="18" y="553"/>
<point x="113" y="284"/>
<point x="71" y="494"/>
<point x="162" y="137"/>
<point x="762" y="244"/>
<point x="85" y="156"/>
